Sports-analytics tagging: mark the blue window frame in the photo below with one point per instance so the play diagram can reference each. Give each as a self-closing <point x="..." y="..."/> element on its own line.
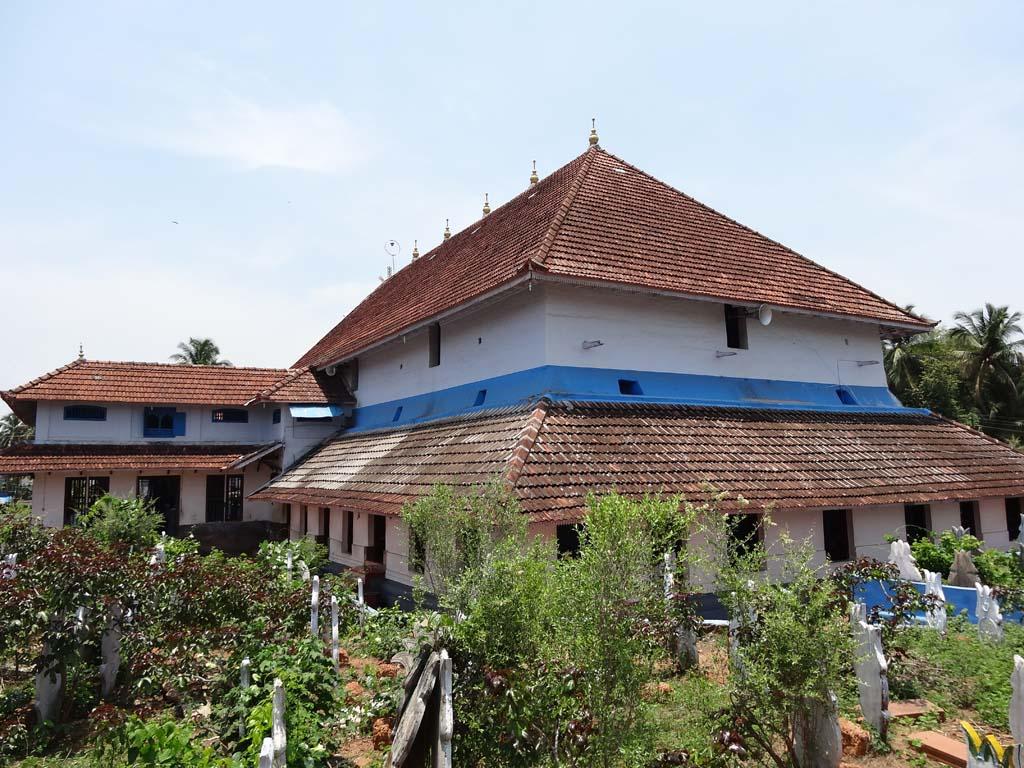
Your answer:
<point x="162" y="422"/>
<point x="85" y="413"/>
<point x="230" y="416"/>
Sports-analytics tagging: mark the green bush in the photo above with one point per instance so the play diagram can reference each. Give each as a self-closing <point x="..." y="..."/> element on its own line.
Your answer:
<point x="113" y="520"/>
<point x="167" y="744"/>
<point x="306" y="549"/>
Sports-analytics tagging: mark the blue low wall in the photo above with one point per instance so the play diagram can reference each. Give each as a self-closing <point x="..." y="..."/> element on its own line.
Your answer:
<point x="878" y="594"/>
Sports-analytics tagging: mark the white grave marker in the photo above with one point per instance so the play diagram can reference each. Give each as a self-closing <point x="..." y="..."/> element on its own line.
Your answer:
<point x="110" y="651"/>
<point x="267" y="753"/>
<point x="314" y="608"/>
<point x="244" y="681"/>
<point x="335" y="650"/>
<point x="901" y="557"/>
<point x="277" y="729"/>
<point x="1017" y="700"/>
<point x="936" y="616"/>
<point x="990" y="620"/>
<point x="446" y="716"/>
<point x="871" y="669"/>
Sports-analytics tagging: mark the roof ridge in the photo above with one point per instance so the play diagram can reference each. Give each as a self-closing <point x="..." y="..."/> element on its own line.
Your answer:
<point x="40" y="379"/>
<point x="772" y="240"/>
<point x="291" y="375"/>
<point x="524" y="444"/>
<point x="184" y="365"/>
<point x="563" y="210"/>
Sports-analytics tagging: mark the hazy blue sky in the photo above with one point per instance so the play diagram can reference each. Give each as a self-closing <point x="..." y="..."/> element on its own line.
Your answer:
<point x="289" y="141"/>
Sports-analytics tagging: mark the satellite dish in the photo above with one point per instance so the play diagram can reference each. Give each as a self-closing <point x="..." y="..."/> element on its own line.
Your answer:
<point x="764" y="315"/>
<point x="392" y="248"/>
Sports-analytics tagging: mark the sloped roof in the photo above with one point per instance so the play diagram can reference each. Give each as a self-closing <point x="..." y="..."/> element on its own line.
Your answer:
<point x="128" y="382"/>
<point x="600" y="219"/>
<point x="554" y="454"/>
<point x="29" y="458"/>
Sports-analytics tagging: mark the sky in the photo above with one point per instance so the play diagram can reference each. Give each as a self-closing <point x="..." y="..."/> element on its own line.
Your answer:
<point x="233" y="170"/>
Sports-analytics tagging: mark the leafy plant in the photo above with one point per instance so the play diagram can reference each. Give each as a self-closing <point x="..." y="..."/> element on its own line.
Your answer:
<point x="113" y="520"/>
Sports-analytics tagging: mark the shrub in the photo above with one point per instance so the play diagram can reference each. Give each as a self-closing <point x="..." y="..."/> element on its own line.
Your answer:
<point x="113" y="520"/>
<point x="305" y="549"/>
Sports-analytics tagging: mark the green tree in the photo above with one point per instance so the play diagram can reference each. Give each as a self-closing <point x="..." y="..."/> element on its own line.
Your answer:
<point x="990" y="345"/>
<point x="198" y="352"/>
<point x="14" y="431"/>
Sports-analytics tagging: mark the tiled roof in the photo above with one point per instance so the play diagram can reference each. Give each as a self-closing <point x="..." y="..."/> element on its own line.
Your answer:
<point x="555" y="454"/>
<point x="124" y="382"/>
<point x="57" y="457"/>
<point x="600" y="219"/>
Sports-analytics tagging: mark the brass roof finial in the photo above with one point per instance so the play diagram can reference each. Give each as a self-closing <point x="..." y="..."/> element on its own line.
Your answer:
<point x="415" y="250"/>
<point x="533" y="175"/>
<point x="447" y="231"/>
<point x="487" y="205"/>
<point x="593" y="131"/>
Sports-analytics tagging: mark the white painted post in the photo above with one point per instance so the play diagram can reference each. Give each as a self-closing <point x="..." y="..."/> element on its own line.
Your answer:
<point x="900" y="555"/>
<point x="816" y="734"/>
<point x="267" y="753"/>
<point x="335" y="650"/>
<point x="990" y="619"/>
<point x="303" y="570"/>
<point x="360" y="603"/>
<point x="314" y="608"/>
<point x="244" y="681"/>
<point x="288" y="563"/>
<point x="159" y="556"/>
<point x="277" y="729"/>
<point x="936" y="617"/>
<point x="81" y="622"/>
<point x="1017" y="700"/>
<point x="49" y="689"/>
<point x="446" y="716"/>
<point x="872" y="674"/>
<point x="110" y="651"/>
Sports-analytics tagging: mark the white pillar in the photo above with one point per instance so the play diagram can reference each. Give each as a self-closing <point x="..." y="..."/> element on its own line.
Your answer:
<point x="267" y="753"/>
<point x="1017" y="700"/>
<point x="110" y="650"/>
<point x="990" y="619"/>
<point x="244" y="681"/>
<point x="335" y="650"/>
<point x="314" y="608"/>
<point x="936" y="617"/>
<point x="280" y="736"/>
<point x="901" y="557"/>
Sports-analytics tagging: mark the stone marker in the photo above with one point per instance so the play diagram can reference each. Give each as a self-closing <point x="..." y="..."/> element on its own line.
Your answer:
<point x="817" y="738"/>
<point x="901" y="557"/>
<point x="958" y="531"/>
<point x="244" y="681"/>
<point x="990" y="620"/>
<point x="314" y="608"/>
<point x="288" y="563"/>
<point x="277" y="729"/>
<point x="415" y="708"/>
<point x="685" y="638"/>
<point x="964" y="572"/>
<point x="49" y="689"/>
<point x="9" y="571"/>
<point x="360" y="602"/>
<point x="267" y="753"/>
<point x="872" y="674"/>
<point x="1017" y="700"/>
<point x="81" y="623"/>
<point x="159" y="556"/>
<point x="335" y="655"/>
<point x="446" y="716"/>
<point x="303" y="570"/>
<point x="936" y="617"/>
<point x="110" y="650"/>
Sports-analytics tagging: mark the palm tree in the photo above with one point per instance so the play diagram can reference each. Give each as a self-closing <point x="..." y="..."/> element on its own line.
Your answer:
<point x="198" y="352"/>
<point x="904" y="357"/>
<point x="990" y="349"/>
<point x="14" y="431"/>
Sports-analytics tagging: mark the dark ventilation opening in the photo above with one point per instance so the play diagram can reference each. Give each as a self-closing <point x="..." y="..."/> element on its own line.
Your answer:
<point x="846" y="396"/>
<point x="735" y="327"/>
<point x="481" y="395"/>
<point x="398" y="413"/>
<point x="970" y="519"/>
<point x="629" y="387"/>
<point x="568" y="537"/>
<point x="918" y="521"/>
<point x="434" y="339"/>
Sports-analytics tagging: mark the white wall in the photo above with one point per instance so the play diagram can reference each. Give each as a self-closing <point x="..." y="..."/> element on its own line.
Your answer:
<point x="680" y="336"/>
<point x="491" y="341"/>
<point x="124" y="425"/>
<point x="48" y="494"/>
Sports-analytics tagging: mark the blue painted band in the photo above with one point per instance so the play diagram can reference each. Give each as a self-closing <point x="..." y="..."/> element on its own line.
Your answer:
<point x="561" y="383"/>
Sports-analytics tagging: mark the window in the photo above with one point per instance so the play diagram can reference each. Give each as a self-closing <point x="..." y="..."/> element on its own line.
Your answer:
<point x="85" y="413"/>
<point x="837" y="525"/>
<point x="162" y="422"/>
<point x="917" y="519"/>
<point x="276" y="417"/>
<point x="568" y="537"/>
<point x="435" y="345"/>
<point x="325" y="527"/>
<point x="745" y="532"/>
<point x="375" y="553"/>
<point x="288" y="517"/>
<point x="970" y="520"/>
<point x="80" y="493"/>
<point x="231" y="415"/>
<point x="224" y="494"/>
<point x="347" y="528"/>
<point x="1014" y="509"/>
<point x="735" y="327"/>
<point x="303" y="519"/>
